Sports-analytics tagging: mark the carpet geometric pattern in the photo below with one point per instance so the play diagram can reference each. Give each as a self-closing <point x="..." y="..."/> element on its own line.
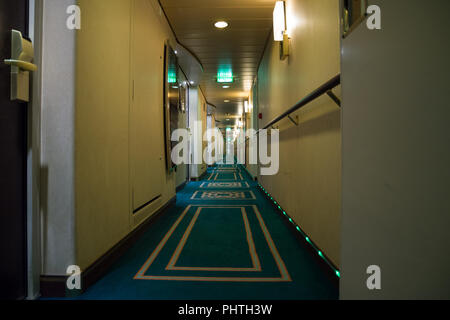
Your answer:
<point x="221" y="240"/>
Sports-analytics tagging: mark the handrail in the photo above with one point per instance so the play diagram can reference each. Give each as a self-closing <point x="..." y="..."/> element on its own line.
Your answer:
<point x="323" y="89"/>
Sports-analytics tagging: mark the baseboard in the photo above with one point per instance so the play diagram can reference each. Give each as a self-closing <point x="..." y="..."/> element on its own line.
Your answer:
<point x="181" y="186"/>
<point x="55" y="286"/>
<point x="201" y="176"/>
<point x="325" y="263"/>
<point x="249" y="174"/>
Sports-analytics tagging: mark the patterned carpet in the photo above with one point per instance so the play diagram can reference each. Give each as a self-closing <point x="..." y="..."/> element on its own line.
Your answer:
<point x="222" y="240"/>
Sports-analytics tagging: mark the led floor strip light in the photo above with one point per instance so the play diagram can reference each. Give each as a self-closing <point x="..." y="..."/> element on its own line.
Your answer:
<point x="308" y="239"/>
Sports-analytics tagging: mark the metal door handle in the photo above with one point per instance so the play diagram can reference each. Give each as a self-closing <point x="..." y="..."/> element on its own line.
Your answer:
<point x="27" y="66"/>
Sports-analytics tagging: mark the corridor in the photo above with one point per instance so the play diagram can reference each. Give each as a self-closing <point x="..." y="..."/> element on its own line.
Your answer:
<point x="224" y="239"/>
<point x="332" y="117"/>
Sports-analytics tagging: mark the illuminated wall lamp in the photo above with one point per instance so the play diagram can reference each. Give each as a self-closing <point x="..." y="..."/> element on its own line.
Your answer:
<point x="280" y="27"/>
<point x="246" y="107"/>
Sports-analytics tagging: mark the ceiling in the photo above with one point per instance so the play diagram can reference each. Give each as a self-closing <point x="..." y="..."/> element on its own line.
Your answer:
<point x="239" y="46"/>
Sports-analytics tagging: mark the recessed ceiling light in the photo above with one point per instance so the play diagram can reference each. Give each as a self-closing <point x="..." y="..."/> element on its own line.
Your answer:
<point x="221" y="24"/>
<point x="191" y="82"/>
<point x="226" y="101"/>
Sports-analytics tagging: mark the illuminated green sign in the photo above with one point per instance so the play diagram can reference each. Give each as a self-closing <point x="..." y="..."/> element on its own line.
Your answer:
<point x="172" y="76"/>
<point x="225" y="76"/>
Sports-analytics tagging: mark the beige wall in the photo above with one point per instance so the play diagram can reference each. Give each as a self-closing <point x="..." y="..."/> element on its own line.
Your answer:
<point x="119" y="121"/>
<point x="57" y="185"/>
<point x="181" y="173"/>
<point x="203" y="113"/>
<point x="396" y="153"/>
<point x="197" y="112"/>
<point x="251" y="120"/>
<point x="308" y="184"/>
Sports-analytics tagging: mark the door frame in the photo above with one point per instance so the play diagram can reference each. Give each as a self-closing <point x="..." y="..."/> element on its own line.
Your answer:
<point x="188" y="105"/>
<point x="34" y="155"/>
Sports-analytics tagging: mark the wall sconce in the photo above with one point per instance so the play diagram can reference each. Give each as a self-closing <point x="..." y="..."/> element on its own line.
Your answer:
<point x="246" y="107"/>
<point x="280" y="27"/>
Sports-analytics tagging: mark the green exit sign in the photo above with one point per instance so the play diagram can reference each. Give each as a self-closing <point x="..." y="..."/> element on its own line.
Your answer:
<point x="225" y="77"/>
<point x="172" y="76"/>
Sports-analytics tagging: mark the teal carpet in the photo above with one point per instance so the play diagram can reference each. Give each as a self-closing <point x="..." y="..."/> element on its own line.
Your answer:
<point x="222" y="240"/>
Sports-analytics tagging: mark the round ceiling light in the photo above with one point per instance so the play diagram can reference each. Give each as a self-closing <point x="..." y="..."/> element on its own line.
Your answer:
<point x="221" y="24"/>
